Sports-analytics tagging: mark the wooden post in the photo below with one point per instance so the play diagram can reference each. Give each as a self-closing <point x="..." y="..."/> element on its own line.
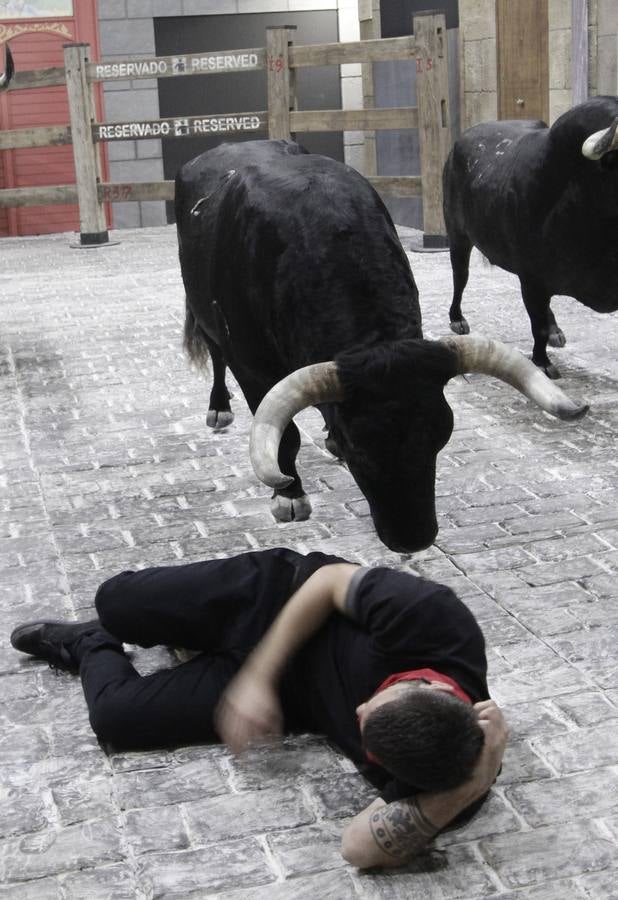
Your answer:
<point x="280" y="85"/>
<point x="92" y="226"/>
<point x="434" y="120"/>
<point x="370" y="28"/>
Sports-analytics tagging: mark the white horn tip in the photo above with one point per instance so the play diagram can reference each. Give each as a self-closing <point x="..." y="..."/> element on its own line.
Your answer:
<point x="572" y="411"/>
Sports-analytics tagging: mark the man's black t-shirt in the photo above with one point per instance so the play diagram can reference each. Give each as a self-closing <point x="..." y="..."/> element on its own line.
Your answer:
<point x="395" y="622"/>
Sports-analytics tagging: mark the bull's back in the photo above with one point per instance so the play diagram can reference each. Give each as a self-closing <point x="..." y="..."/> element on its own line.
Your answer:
<point x="296" y="248"/>
<point x="489" y="188"/>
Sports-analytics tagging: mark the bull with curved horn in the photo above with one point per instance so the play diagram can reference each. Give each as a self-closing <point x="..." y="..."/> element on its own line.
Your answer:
<point x="296" y="280"/>
<point x="9" y="68"/>
<point x="542" y="203"/>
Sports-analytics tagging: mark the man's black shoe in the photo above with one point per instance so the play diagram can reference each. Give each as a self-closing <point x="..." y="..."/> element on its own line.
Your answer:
<point x="52" y="641"/>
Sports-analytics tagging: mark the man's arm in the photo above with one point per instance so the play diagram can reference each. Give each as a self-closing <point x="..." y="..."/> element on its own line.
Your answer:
<point x="391" y="834"/>
<point x="249" y="708"/>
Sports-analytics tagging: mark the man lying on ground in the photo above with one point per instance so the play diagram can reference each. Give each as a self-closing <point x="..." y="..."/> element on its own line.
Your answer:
<point x="389" y="666"/>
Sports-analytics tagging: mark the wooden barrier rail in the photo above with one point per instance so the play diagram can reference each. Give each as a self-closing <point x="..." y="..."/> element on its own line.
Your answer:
<point x="280" y="59"/>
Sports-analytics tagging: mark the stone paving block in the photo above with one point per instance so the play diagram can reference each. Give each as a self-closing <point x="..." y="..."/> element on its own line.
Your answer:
<point x="529" y="720"/>
<point x="22" y="810"/>
<point x="157" y="829"/>
<point x="115" y="882"/>
<point x="331" y="885"/>
<point x="521" y="764"/>
<point x="302" y="851"/>
<point x="187" y="781"/>
<point x="225" y="817"/>
<point x="341" y="795"/>
<point x="587" y="707"/>
<point x="599" y="886"/>
<point x="592" y="652"/>
<point x="548" y="852"/>
<point x="558" y="799"/>
<point x="42" y="889"/>
<point x="198" y="872"/>
<point x="80" y="799"/>
<point x="50" y="852"/>
<point x="551" y="890"/>
<point x="581" y="750"/>
<point x="519" y="686"/>
<point x="437" y="875"/>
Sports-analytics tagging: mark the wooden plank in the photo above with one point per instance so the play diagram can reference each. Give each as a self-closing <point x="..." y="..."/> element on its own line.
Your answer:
<point x="49" y="136"/>
<point x="386" y="49"/>
<point x="278" y="84"/>
<point x="215" y="63"/>
<point x="395" y="117"/>
<point x="92" y="223"/>
<point x="38" y="196"/>
<point x="124" y="192"/>
<point x="397" y="185"/>
<point x="180" y="127"/>
<point x="434" y="122"/>
<point x="37" y="78"/>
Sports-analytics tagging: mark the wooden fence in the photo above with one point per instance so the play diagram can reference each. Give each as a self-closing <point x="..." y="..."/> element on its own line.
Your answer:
<point x="281" y="59"/>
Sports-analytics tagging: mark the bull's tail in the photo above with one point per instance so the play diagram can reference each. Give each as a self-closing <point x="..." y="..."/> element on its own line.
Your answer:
<point x="195" y="342"/>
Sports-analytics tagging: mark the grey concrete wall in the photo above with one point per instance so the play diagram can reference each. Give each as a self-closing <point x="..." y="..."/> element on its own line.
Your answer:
<point x="127" y="29"/>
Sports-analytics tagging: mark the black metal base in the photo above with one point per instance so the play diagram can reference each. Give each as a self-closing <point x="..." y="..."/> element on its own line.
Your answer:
<point x="92" y="238"/>
<point x="435" y="242"/>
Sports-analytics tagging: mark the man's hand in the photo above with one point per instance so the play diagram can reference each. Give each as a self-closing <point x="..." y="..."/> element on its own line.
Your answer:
<point x="494" y="727"/>
<point x="248" y="711"/>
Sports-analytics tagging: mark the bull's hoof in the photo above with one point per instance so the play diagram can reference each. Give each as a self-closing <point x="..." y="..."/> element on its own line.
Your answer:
<point x="460" y="326"/>
<point x="549" y="368"/>
<point x="219" y="419"/>
<point x="286" y="509"/>
<point x="556" y="337"/>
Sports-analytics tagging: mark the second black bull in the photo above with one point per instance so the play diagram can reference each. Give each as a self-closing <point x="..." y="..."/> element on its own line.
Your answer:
<point x="542" y="203"/>
<point x="295" y="279"/>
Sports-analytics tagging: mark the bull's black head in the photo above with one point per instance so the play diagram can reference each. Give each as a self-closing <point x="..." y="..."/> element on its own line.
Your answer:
<point x="389" y="429"/>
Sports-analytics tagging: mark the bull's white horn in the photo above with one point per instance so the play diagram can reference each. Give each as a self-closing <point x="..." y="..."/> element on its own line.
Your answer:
<point x="9" y="68"/>
<point x="318" y="383"/>
<point x="481" y="354"/>
<point x="601" y="142"/>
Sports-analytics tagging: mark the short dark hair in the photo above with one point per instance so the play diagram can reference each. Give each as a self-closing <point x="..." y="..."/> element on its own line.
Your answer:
<point x="428" y="739"/>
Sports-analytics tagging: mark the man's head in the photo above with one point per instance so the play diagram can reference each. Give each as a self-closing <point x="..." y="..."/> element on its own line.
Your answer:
<point x="422" y="734"/>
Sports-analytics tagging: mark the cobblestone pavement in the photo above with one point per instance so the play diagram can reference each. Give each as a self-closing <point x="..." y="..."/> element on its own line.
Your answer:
<point x="106" y="463"/>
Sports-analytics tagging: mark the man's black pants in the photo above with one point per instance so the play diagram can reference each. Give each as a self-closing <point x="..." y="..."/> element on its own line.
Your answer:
<point x="220" y="607"/>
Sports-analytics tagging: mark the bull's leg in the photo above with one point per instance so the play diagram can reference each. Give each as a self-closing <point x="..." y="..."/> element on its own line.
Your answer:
<point x="289" y="504"/>
<point x="556" y="334"/>
<point x="219" y="413"/>
<point x="536" y="300"/>
<point x="460" y="250"/>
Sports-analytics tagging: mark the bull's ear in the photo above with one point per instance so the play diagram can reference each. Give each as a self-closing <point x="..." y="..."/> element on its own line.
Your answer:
<point x="305" y="387"/>
<point x="601" y="142"/>
<point x="480" y="354"/>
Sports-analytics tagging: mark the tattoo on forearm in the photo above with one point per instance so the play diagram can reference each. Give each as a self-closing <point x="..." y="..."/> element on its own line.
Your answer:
<point x="401" y="829"/>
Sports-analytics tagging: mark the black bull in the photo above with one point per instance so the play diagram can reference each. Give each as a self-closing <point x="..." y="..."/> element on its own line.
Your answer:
<point x="542" y="203"/>
<point x="296" y="280"/>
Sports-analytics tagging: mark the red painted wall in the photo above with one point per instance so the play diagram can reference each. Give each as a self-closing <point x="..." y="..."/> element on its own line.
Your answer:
<point x="37" y="44"/>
